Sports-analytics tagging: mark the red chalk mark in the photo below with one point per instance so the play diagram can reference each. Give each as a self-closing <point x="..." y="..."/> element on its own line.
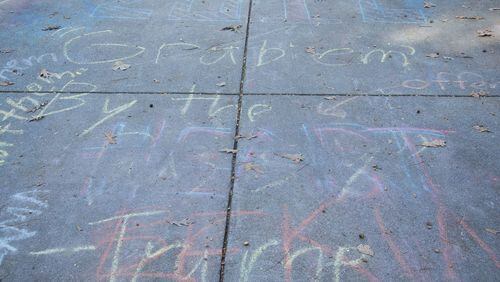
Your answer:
<point x="392" y="245"/>
<point x="366" y="273"/>
<point x="481" y="243"/>
<point x="440" y="216"/>
<point x="111" y="238"/>
<point x="289" y="234"/>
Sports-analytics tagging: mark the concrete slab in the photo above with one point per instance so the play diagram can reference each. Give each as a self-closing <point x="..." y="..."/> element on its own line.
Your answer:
<point x="318" y="178"/>
<point x="113" y="187"/>
<point x="113" y="115"/>
<point x="372" y="47"/>
<point x="176" y="46"/>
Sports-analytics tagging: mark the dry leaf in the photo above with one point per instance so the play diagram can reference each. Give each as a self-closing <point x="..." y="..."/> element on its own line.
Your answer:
<point x="469" y="17"/>
<point x="37" y="118"/>
<point x="484" y="33"/>
<point x="252" y="166"/>
<point x="51" y="27"/>
<point x="432" y="55"/>
<point x="119" y="65"/>
<point x="229" y="151"/>
<point x="110" y="138"/>
<point x="434" y="143"/>
<point x="481" y="128"/>
<point x="6" y="83"/>
<point x="234" y="27"/>
<point x="311" y="50"/>
<point x="429" y="5"/>
<point x="248" y="137"/>
<point x="492" y="231"/>
<point x="184" y="222"/>
<point x="365" y="249"/>
<point x="478" y="94"/>
<point x="38" y="107"/>
<point x="296" y="158"/>
<point x="44" y="73"/>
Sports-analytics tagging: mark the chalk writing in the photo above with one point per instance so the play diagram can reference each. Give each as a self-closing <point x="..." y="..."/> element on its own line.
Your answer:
<point x="109" y="113"/>
<point x="345" y="56"/>
<point x="21" y="207"/>
<point x="13" y="67"/>
<point x="111" y="52"/>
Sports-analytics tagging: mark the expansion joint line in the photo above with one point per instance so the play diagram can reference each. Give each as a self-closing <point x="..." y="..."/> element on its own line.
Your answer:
<point x="235" y="147"/>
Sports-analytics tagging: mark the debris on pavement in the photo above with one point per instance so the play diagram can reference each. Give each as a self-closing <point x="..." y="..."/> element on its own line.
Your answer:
<point x="36" y="118"/>
<point x="477" y="94"/>
<point x="492" y="231"/>
<point x="246" y="243"/>
<point x="330" y="98"/>
<point x="481" y="128"/>
<point x="365" y="249"/>
<point x="362" y="236"/>
<point x="248" y="137"/>
<point x="252" y="166"/>
<point x="6" y="83"/>
<point x="433" y="55"/>
<point x="44" y="73"/>
<point x="234" y="27"/>
<point x="119" y="65"/>
<point x="37" y="107"/>
<point x="469" y="17"/>
<point x="376" y="168"/>
<point x="437" y="251"/>
<point x="6" y="51"/>
<point x="485" y="33"/>
<point x="110" y="137"/>
<point x="296" y="158"/>
<point x="221" y="84"/>
<point x="184" y="222"/>
<point x="51" y="27"/>
<point x="434" y="143"/>
<point x="229" y="151"/>
<point x="311" y="50"/>
<point x="428" y="224"/>
<point x="429" y="4"/>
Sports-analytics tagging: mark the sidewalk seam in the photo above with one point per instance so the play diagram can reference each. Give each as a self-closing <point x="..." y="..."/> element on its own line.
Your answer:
<point x="16" y="92"/>
<point x="235" y="147"/>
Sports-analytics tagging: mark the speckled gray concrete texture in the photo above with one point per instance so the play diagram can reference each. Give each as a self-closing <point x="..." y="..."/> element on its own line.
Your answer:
<point x="249" y="140"/>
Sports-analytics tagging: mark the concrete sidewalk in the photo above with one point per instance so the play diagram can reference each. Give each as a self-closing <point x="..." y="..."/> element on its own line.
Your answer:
<point x="249" y="140"/>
